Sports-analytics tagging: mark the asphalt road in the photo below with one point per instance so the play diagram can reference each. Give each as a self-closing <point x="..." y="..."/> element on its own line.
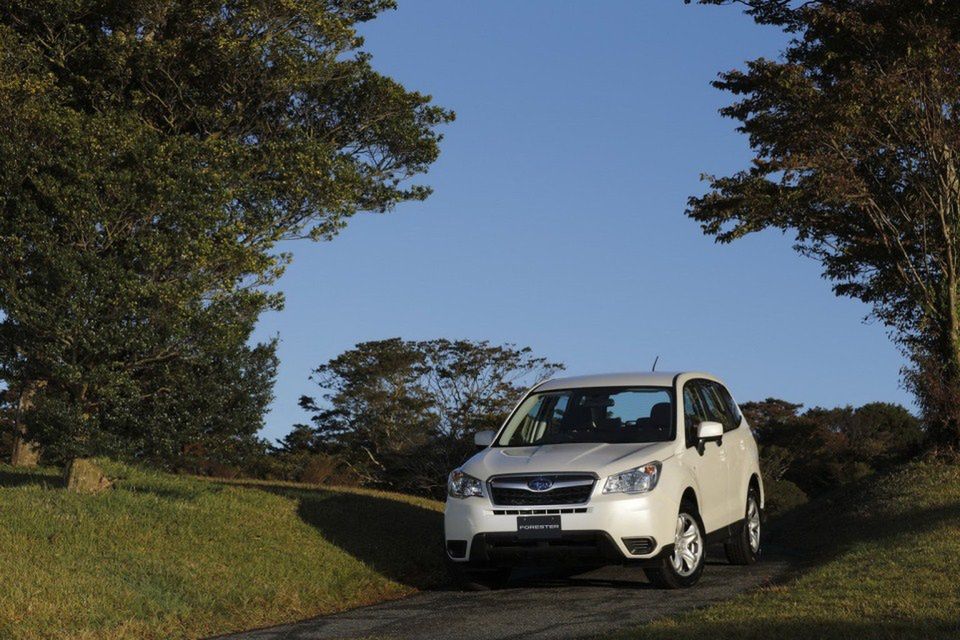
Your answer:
<point x="535" y="606"/>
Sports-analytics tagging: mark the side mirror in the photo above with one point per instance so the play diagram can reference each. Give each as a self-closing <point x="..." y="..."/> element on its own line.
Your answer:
<point x="484" y="439"/>
<point x="708" y="431"/>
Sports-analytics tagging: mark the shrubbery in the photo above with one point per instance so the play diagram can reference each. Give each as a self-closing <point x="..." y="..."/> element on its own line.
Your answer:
<point x="804" y="453"/>
<point x="781" y="496"/>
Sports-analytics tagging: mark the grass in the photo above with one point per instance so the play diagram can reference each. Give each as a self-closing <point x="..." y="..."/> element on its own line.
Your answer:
<point x="161" y="556"/>
<point x="877" y="561"/>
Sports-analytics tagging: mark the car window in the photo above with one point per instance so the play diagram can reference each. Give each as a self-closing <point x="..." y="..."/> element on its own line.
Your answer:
<point x="732" y="409"/>
<point x="693" y="413"/>
<point x="717" y="410"/>
<point x="629" y="407"/>
<point x="592" y="414"/>
<point x="531" y="424"/>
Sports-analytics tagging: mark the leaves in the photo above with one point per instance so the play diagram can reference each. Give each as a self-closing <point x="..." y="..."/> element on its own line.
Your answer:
<point x="152" y="155"/>
<point x="403" y="413"/>
<point x="855" y="133"/>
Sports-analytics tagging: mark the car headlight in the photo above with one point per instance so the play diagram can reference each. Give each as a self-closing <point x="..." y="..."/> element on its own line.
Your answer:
<point x="637" y="480"/>
<point x="462" y="485"/>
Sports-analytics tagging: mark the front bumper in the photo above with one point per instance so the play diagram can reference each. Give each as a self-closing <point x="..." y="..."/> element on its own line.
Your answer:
<point x="612" y="528"/>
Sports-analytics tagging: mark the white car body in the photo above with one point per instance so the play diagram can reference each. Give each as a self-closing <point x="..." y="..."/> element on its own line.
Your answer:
<point x="717" y="474"/>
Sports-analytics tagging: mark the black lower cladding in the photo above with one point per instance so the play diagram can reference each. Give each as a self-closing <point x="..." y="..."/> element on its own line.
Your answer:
<point x="457" y="548"/>
<point x="639" y="546"/>
<point x="575" y="547"/>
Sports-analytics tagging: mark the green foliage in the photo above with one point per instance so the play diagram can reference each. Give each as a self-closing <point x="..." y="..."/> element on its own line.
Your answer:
<point x="152" y="155"/>
<point x="856" y="140"/>
<point x="820" y="449"/>
<point x="781" y="496"/>
<point x="166" y="557"/>
<point x="402" y="413"/>
<point x="228" y="396"/>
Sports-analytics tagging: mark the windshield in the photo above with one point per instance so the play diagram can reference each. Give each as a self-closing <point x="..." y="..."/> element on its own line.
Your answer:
<point x="600" y="414"/>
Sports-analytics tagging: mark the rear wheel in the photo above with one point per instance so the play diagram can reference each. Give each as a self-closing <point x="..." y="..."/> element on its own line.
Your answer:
<point x="682" y="568"/>
<point x="478" y="579"/>
<point x="744" y="548"/>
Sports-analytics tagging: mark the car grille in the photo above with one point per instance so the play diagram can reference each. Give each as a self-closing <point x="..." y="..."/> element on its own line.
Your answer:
<point x="564" y="489"/>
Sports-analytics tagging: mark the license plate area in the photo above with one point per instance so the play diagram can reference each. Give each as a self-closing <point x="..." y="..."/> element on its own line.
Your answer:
<point x="541" y="527"/>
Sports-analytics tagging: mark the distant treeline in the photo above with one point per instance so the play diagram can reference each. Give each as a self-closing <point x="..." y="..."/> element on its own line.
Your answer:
<point x="805" y="453"/>
<point x="401" y="414"/>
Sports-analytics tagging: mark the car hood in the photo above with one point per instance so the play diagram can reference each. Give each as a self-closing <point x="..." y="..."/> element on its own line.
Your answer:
<point x="597" y="457"/>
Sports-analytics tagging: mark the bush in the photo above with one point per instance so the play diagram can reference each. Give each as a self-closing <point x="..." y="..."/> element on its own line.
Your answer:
<point x="821" y="449"/>
<point x="322" y="468"/>
<point x="782" y="495"/>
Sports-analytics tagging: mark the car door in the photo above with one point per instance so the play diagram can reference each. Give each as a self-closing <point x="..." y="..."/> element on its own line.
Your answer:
<point x="735" y="444"/>
<point x="708" y="465"/>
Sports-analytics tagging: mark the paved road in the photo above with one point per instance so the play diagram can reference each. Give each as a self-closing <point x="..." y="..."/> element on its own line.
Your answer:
<point x="536" y="606"/>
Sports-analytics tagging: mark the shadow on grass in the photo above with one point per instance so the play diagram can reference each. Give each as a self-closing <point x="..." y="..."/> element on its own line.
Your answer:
<point x="830" y="526"/>
<point x="176" y="489"/>
<point x="805" y="629"/>
<point x="183" y="493"/>
<point x="403" y="542"/>
<point x="398" y="540"/>
<point x="10" y="477"/>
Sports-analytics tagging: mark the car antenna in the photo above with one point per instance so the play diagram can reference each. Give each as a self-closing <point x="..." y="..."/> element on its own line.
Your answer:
<point x="655" y="361"/>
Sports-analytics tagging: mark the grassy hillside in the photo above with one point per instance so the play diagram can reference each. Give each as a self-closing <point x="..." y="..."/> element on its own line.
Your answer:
<point x="161" y="556"/>
<point x="881" y="561"/>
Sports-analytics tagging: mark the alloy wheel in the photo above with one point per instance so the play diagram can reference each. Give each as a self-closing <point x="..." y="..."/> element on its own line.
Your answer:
<point x="687" y="546"/>
<point x="753" y="524"/>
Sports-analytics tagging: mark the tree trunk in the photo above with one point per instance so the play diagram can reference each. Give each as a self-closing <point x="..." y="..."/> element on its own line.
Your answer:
<point x="950" y="399"/>
<point x="84" y="476"/>
<point x="25" y="453"/>
<point x="946" y="434"/>
<point x="936" y="383"/>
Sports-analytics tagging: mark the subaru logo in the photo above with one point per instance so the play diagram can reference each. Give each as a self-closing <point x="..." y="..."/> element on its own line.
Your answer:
<point x="540" y="484"/>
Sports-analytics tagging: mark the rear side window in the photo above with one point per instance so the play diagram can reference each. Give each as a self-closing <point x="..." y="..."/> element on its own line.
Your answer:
<point x="715" y="405"/>
<point x="732" y="407"/>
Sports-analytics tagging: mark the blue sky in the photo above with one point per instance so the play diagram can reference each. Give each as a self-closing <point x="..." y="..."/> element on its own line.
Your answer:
<point x="557" y="218"/>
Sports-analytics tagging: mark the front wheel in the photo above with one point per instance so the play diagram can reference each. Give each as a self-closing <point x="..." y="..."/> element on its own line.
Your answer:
<point x="744" y="548"/>
<point x="683" y="567"/>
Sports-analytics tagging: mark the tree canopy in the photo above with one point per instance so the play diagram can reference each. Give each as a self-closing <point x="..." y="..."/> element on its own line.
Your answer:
<point x="403" y="413"/>
<point x="819" y="449"/>
<point x="152" y="155"/>
<point x="856" y="133"/>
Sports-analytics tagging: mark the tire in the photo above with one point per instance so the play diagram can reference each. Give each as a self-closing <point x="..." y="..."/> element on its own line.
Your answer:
<point x="478" y="579"/>
<point x="683" y="567"/>
<point x="744" y="548"/>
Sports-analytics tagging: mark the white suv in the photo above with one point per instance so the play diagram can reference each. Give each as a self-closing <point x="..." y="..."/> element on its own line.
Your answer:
<point x="640" y="468"/>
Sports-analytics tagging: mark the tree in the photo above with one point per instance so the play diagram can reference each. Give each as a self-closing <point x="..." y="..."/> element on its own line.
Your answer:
<point x="376" y="414"/>
<point x="403" y="413"/>
<point x="473" y="385"/>
<point x="216" y="423"/>
<point x="152" y="155"/>
<point x="770" y="419"/>
<point x="882" y="433"/>
<point x="856" y="140"/>
<point x="819" y="449"/>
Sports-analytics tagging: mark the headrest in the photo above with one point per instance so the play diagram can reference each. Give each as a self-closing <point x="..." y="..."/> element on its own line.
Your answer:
<point x="660" y="414"/>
